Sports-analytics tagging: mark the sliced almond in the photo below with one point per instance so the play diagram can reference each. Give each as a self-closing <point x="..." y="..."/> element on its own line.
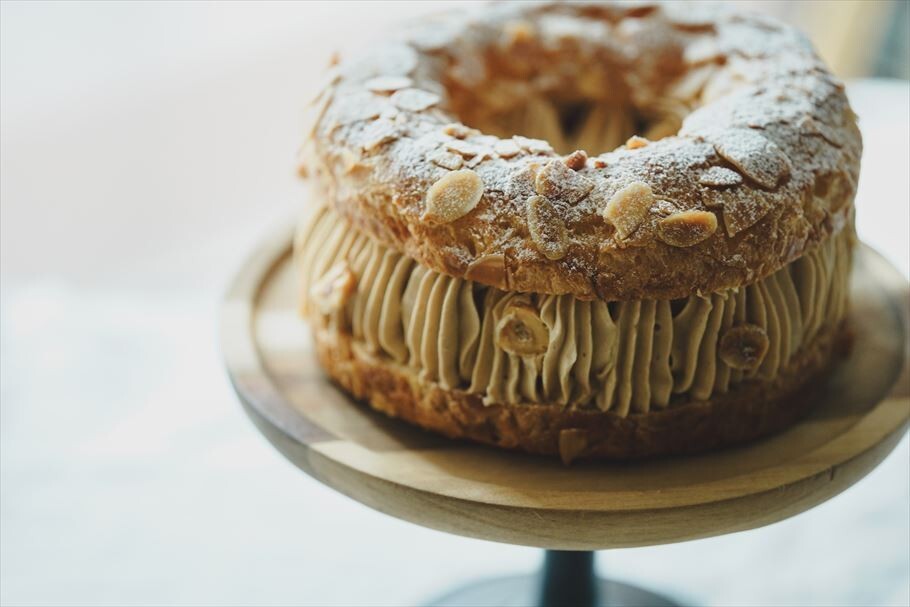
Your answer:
<point x="465" y="149"/>
<point x="348" y="109"/>
<point x="755" y="156"/>
<point x="548" y="231"/>
<point x="635" y="142"/>
<point x="331" y="292"/>
<point x="520" y="330"/>
<point x="378" y="133"/>
<point x="506" y="148"/>
<point x="572" y="443"/>
<point x="453" y="196"/>
<point x="388" y="84"/>
<point x="817" y="128"/>
<point x="835" y="189"/>
<point x="629" y="207"/>
<point x="744" y="346"/>
<point x="576" y="160"/>
<point x="686" y="228"/>
<point x="720" y="177"/>
<point x="446" y="160"/>
<point x="533" y="146"/>
<point x="556" y="181"/>
<point x="518" y="32"/>
<point x="414" y="100"/>
<point x="458" y="130"/>
<point x="488" y="270"/>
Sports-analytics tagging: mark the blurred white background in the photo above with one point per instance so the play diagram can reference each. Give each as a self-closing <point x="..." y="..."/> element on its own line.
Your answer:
<point x="144" y="149"/>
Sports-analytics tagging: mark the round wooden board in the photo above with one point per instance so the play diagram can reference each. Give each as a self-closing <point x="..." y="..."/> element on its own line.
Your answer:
<point x="531" y="500"/>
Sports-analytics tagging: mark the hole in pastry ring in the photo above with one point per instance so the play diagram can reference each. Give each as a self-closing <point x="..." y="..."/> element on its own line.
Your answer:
<point x="765" y="120"/>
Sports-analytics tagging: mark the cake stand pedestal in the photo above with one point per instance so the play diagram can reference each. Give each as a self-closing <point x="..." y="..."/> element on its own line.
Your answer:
<point x="567" y="579"/>
<point x="480" y="492"/>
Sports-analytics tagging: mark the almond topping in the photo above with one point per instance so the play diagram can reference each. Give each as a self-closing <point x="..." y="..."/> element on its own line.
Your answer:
<point x="453" y="196"/>
<point x="331" y="292"/>
<point x="466" y="149"/>
<point x="520" y="330"/>
<point x="577" y="160"/>
<point x="506" y="148"/>
<point x="388" y="84"/>
<point x="572" y="443"/>
<point x="414" y="100"/>
<point x="635" y="142"/>
<point x="518" y="32"/>
<point x="629" y="207"/>
<point x="458" y="130"/>
<point x="446" y="160"/>
<point x="686" y="228"/>
<point x="720" y="177"/>
<point x="556" y="181"/>
<point x="548" y="231"/>
<point x="533" y="146"/>
<point x="744" y="346"/>
<point x="488" y="270"/>
<point x="379" y="132"/>
<point x="755" y="156"/>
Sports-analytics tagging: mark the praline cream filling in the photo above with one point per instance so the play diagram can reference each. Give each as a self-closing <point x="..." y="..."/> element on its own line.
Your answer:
<point x="513" y="348"/>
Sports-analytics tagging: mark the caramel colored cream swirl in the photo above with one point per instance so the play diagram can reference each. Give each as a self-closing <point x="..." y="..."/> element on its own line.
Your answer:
<point x="511" y="348"/>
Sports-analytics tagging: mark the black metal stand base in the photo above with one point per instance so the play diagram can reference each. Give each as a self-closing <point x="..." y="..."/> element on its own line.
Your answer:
<point x="567" y="580"/>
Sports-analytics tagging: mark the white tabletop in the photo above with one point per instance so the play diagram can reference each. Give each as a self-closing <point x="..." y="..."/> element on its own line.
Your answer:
<point x="144" y="150"/>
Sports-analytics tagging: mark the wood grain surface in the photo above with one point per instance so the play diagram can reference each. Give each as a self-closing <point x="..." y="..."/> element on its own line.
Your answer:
<point x="530" y="500"/>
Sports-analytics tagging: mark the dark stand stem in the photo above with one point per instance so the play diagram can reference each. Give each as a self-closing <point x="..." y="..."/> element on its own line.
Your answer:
<point x="568" y="579"/>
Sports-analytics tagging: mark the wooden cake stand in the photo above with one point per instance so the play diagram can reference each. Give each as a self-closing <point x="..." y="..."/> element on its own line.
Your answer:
<point x="515" y="498"/>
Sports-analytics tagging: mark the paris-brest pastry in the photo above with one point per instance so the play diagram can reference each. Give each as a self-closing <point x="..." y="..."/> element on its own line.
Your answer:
<point x="588" y="230"/>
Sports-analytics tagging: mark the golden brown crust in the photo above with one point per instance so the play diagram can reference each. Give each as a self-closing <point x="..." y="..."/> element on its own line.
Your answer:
<point x="772" y="149"/>
<point x="749" y="411"/>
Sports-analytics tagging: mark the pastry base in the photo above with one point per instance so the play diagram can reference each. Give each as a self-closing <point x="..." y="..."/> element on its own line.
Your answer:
<point x="748" y="411"/>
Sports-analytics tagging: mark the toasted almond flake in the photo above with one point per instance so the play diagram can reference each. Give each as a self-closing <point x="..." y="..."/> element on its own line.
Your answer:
<point x="520" y="330"/>
<point x="548" y="231"/>
<point x="755" y="156"/>
<point x="686" y="228"/>
<point x="817" y="128"/>
<point x="518" y="32"/>
<point x="473" y="162"/>
<point x="350" y="159"/>
<point x="629" y="207"/>
<point x="556" y="181"/>
<point x="635" y="142"/>
<point x="414" y="100"/>
<point x="572" y="443"/>
<point x="463" y="148"/>
<point x="576" y="160"/>
<point x="506" y="148"/>
<point x="446" y="160"/>
<point x="835" y="190"/>
<point x="720" y="177"/>
<point x="356" y="107"/>
<point x="701" y="51"/>
<point x="743" y="207"/>
<point x="331" y="292"/>
<point x="388" y="84"/>
<point x="744" y="346"/>
<point x="392" y="59"/>
<point x="488" y="270"/>
<point x="379" y="132"/>
<point x="453" y="196"/>
<point x="533" y="146"/>
<point x="458" y="130"/>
